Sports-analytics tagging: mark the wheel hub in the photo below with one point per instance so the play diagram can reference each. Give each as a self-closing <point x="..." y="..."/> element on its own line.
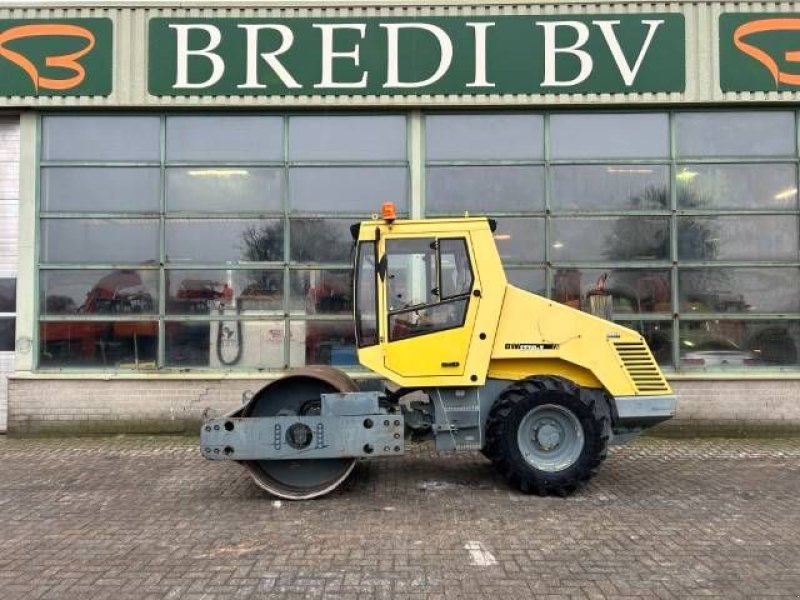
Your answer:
<point x="549" y="436"/>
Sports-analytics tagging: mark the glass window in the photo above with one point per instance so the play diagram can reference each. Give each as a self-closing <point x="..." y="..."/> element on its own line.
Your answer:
<point x="101" y="138"/>
<point x="484" y="137"/>
<point x="631" y="290"/>
<point x="103" y="241"/>
<point x="224" y="241"/>
<point x="326" y="343"/>
<point x="427" y="319"/>
<point x="411" y="273"/>
<point x="7" y="334"/>
<point x="347" y="189"/>
<point x="610" y="238"/>
<point x="737" y="186"/>
<point x="484" y="190"/>
<point x="520" y="240"/>
<point x="737" y="238"/>
<point x="619" y="135"/>
<point x="740" y="290"/>
<point x="318" y="292"/>
<point x="224" y="138"/>
<point x="8" y="295"/>
<point x="610" y="187"/>
<point x="203" y="292"/>
<point x="347" y="138"/>
<point x="739" y="344"/>
<point x="321" y="240"/>
<point x="104" y="344"/>
<point x="455" y="270"/>
<point x="225" y="190"/>
<point x="532" y="280"/>
<point x="112" y="189"/>
<point x="90" y="292"/>
<point x="746" y="133"/>
<point x="227" y="343"/>
<point x="366" y="312"/>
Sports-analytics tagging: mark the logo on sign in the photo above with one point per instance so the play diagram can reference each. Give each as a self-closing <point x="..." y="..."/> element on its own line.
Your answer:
<point x="762" y="55"/>
<point x="75" y="73"/>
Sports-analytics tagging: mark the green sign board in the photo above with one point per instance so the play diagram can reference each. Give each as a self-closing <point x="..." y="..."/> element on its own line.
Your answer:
<point x="58" y="57"/>
<point x="759" y="52"/>
<point x="436" y="55"/>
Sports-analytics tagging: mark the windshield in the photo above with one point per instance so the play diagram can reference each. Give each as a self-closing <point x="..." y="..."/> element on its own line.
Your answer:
<point x="366" y="301"/>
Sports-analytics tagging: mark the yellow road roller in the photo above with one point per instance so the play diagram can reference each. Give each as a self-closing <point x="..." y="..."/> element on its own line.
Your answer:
<point x="474" y="363"/>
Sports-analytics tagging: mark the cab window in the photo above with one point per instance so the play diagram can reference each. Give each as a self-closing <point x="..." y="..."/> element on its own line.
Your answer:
<point x="428" y="285"/>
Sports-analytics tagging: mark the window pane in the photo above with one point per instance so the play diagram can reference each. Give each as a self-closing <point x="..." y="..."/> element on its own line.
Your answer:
<point x="347" y="138"/>
<point x="740" y="186"/>
<point x="428" y="319"/>
<point x="225" y="190"/>
<point x="103" y="138"/>
<point x="224" y="138"/>
<point x="456" y="271"/>
<point x="224" y="241"/>
<point x="737" y="238"/>
<point x="410" y="273"/>
<point x="532" y="280"/>
<point x="483" y="190"/>
<point x="203" y="292"/>
<point x="366" y="312"/>
<point x="326" y="342"/>
<point x="484" y="137"/>
<point x="609" y="135"/>
<point x="226" y="344"/>
<point x="8" y="295"/>
<point x="318" y="292"/>
<point x="747" y="133"/>
<point x="347" y="189"/>
<point x="101" y="189"/>
<point x="7" y="334"/>
<point x="321" y="240"/>
<point x="520" y="240"/>
<point x="612" y="238"/>
<point x="106" y="344"/>
<point x="122" y="291"/>
<point x="658" y="335"/>
<point x="761" y="290"/>
<point x="104" y="241"/>
<point x="632" y="290"/>
<point x="739" y="344"/>
<point x="610" y="187"/>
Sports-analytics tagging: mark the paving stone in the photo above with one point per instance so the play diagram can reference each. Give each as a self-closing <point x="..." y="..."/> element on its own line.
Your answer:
<point x="147" y="517"/>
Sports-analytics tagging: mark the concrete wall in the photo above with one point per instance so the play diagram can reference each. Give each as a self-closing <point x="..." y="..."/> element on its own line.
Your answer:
<point x="53" y="406"/>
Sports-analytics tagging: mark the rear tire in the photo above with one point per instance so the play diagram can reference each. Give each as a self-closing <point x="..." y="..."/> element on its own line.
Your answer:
<point x="544" y="438"/>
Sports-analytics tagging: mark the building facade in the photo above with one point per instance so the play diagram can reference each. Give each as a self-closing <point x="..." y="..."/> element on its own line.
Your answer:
<point x="178" y="183"/>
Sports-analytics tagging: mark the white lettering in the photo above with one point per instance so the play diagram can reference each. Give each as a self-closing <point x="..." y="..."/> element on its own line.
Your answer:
<point x="328" y="56"/>
<point x="480" y="55"/>
<point x="550" y="51"/>
<point x="628" y="73"/>
<point x="183" y="53"/>
<point x="271" y="58"/>
<point x="392" y="59"/>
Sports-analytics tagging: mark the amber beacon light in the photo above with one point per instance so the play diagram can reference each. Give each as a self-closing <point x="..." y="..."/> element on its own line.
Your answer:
<point x="388" y="212"/>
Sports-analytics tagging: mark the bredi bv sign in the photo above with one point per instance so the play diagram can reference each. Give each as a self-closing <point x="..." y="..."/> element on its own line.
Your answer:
<point x="437" y="55"/>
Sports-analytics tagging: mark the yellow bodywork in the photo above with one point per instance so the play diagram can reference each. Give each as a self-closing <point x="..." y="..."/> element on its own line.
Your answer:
<point x="507" y="333"/>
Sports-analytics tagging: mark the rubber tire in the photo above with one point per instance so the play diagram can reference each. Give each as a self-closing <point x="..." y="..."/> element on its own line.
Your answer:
<point x="506" y="416"/>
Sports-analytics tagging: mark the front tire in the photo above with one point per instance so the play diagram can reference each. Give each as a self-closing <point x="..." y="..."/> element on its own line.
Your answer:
<point x="544" y="438"/>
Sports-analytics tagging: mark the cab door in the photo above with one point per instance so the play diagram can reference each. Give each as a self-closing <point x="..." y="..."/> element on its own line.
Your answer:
<point x="430" y="309"/>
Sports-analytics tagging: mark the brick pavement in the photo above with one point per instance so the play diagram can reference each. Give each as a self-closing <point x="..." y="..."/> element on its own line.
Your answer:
<point x="147" y="518"/>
